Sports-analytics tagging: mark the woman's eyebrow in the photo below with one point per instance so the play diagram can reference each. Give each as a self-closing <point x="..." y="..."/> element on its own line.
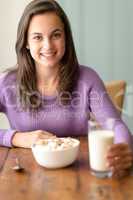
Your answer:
<point x="36" y="33"/>
<point x="53" y="31"/>
<point x="56" y="30"/>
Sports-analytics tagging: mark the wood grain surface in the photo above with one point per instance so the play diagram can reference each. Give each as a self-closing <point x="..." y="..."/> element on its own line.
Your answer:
<point x="71" y="183"/>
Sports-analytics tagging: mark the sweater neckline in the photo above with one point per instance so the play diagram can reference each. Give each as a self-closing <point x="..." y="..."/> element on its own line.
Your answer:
<point x="49" y="97"/>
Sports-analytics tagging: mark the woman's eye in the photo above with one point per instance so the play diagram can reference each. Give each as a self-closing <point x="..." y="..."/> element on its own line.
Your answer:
<point x="56" y="35"/>
<point x="37" y="38"/>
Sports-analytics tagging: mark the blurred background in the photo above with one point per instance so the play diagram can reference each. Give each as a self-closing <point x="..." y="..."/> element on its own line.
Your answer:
<point x="103" y="35"/>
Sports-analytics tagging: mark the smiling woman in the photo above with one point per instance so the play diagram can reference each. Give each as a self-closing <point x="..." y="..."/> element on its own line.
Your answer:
<point x="49" y="93"/>
<point x="41" y="43"/>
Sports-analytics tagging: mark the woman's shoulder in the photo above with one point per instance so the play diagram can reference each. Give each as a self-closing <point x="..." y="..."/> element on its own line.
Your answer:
<point x="8" y="77"/>
<point x="87" y="73"/>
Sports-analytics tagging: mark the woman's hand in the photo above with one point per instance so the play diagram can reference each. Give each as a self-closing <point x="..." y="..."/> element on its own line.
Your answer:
<point x="26" y="139"/>
<point x="120" y="159"/>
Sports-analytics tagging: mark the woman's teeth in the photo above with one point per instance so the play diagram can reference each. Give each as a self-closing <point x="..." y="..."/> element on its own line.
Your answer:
<point x="47" y="55"/>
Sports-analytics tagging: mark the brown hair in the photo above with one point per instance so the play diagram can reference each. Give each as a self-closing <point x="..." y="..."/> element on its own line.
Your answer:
<point x="26" y="74"/>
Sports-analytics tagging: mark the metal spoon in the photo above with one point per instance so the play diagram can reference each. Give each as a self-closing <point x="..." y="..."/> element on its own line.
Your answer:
<point x="17" y="167"/>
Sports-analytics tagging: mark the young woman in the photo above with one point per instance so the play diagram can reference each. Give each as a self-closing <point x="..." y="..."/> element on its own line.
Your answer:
<point x="49" y="93"/>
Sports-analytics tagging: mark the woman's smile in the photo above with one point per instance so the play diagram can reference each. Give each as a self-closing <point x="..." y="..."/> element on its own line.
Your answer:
<point x="47" y="55"/>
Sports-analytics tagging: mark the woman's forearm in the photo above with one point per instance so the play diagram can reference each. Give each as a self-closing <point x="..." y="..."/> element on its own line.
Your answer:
<point x="20" y="139"/>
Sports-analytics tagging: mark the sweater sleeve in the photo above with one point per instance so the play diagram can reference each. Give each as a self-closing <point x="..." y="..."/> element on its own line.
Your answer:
<point x="5" y="135"/>
<point x="102" y="107"/>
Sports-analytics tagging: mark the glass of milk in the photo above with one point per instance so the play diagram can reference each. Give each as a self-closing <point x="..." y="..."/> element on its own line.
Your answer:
<point x="99" y="141"/>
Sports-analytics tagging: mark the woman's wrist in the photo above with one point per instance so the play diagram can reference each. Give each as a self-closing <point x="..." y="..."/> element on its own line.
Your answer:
<point x="16" y="139"/>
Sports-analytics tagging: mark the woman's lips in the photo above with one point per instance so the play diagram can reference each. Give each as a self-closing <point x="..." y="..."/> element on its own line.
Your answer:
<point x="47" y="55"/>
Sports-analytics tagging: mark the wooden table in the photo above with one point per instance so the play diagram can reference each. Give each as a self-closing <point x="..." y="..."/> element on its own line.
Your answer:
<point x="71" y="183"/>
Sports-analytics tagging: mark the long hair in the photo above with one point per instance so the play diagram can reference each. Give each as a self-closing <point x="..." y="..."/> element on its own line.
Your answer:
<point x="26" y="72"/>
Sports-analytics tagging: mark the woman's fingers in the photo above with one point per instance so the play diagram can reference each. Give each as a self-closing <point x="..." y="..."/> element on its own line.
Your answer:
<point x="119" y="153"/>
<point x="47" y="133"/>
<point x="120" y="166"/>
<point x="118" y="160"/>
<point x="119" y="149"/>
<point x="122" y="154"/>
<point x="120" y="146"/>
<point x="119" y="174"/>
<point x="41" y="132"/>
<point x="39" y="135"/>
<point x="46" y="136"/>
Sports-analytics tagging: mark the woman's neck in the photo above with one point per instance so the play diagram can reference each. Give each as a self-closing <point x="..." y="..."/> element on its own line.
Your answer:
<point x="47" y="76"/>
<point x="47" y="80"/>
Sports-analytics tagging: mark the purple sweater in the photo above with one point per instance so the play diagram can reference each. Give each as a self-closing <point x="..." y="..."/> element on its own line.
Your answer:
<point x="71" y="120"/>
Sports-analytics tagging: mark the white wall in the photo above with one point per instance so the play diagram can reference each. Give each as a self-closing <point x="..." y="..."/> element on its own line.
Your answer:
<point x="10" y="12"/>
<point x="103" y="33"/>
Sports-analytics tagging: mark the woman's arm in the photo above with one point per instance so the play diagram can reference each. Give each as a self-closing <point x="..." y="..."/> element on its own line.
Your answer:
<point x="12" y="137"/>
<point x="120" y="155"/>
<point x="6" y="137"/>
<point x="102" y="108"/>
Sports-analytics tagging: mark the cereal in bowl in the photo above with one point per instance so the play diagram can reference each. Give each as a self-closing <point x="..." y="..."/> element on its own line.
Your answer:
<point x="56" y="143"/>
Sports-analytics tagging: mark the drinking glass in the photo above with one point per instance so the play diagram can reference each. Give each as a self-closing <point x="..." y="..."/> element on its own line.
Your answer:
<point x="99" y="141"/>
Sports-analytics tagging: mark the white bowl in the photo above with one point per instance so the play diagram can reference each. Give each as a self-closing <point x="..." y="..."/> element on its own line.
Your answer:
<point x="50" y="158"/>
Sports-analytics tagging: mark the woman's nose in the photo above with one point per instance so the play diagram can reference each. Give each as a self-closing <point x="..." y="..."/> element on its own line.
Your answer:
<point x="46" y="43"/>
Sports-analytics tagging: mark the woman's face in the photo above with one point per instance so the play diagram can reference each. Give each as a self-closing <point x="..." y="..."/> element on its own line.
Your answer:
<point x="46" y="39"/>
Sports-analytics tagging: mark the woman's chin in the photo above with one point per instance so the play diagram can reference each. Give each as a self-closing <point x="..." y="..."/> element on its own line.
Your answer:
<point x="48" y="65"/>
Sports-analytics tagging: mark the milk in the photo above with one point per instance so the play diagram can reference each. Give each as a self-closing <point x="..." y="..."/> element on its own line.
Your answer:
<point x="99" y="142"/>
